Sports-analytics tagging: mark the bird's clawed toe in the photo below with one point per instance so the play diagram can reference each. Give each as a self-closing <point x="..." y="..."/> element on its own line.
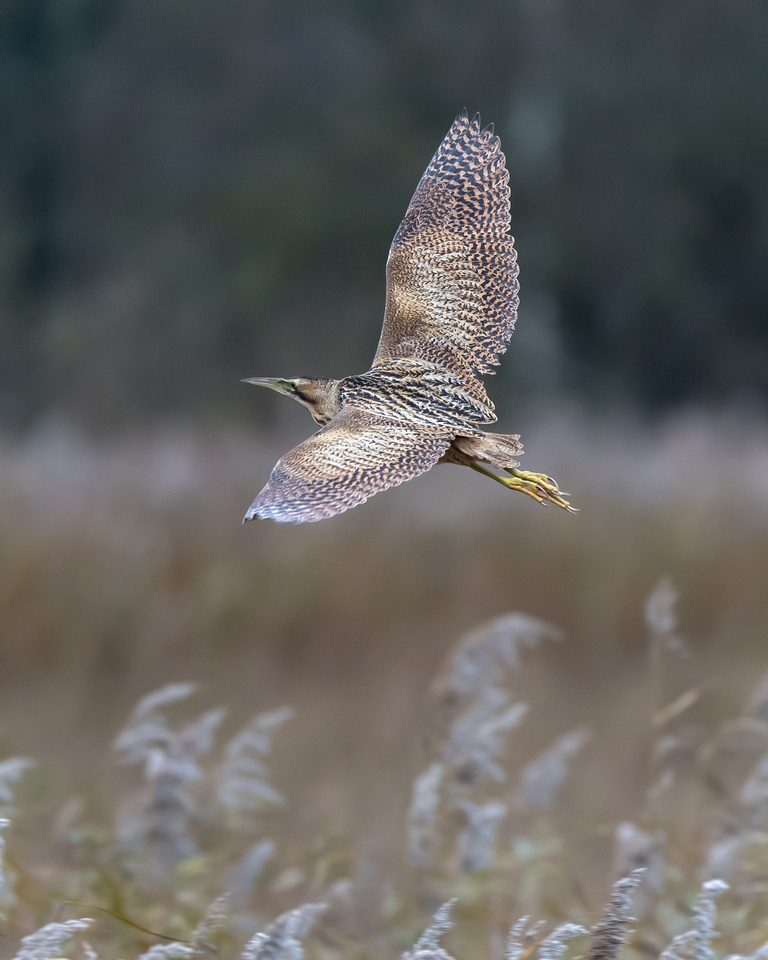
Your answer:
<point x="539" y="486"/>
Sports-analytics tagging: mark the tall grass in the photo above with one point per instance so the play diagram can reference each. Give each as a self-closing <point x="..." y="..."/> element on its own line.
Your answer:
<point x="439" y="747"/>
<point x="181" y="880"/>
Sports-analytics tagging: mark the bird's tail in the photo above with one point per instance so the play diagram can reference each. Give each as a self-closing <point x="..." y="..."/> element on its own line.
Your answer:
<point x="496" y="449"/>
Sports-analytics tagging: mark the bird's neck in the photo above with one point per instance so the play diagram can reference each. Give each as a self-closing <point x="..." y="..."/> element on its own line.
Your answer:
<point x="321" y="398"/>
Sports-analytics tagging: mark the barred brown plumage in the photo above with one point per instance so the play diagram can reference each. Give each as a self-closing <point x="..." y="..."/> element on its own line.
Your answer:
<point x="451" y="307"/>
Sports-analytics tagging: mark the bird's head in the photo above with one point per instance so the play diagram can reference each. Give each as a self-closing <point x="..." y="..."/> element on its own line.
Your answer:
<point x="320" y="397"/>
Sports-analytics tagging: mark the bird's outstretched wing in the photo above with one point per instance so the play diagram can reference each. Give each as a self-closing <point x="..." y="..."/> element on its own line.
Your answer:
<point x="350" y="459"/>
<point x="452" y="290"/>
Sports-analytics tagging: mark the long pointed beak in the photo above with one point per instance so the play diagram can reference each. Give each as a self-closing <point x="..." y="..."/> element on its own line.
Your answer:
<point x="281" y="386"/>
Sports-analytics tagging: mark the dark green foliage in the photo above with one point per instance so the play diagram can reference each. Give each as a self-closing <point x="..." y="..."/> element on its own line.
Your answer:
<point x="196" y="192"/>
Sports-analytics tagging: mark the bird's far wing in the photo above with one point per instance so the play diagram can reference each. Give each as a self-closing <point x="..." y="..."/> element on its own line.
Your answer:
<point x="350" y="459"/>
<point x="452" y="268"/>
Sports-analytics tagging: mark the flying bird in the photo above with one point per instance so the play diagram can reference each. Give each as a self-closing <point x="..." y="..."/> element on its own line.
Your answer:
<point x="451" y="306"/>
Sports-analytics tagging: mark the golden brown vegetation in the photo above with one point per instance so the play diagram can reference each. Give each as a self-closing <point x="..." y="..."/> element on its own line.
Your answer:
<point x="124" y="568"/>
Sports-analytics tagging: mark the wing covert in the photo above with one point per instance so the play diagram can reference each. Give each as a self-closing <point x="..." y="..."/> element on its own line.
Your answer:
<point x="452" y="289"/>
<point x="350" y="459"/>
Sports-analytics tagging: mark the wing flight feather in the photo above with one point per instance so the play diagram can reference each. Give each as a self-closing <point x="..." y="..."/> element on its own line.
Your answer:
<point x="452" y="289"/>
<point x="350" y="459"/>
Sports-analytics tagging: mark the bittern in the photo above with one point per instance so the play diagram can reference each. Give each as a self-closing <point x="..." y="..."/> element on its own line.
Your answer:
<point x="451" y="306"/>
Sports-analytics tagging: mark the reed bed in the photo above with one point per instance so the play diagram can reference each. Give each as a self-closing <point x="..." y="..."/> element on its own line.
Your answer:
<point x="264" y="740"/>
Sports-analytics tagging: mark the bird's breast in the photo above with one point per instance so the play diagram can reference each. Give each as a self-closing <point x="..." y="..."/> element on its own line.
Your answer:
<point x="418" y="393"/>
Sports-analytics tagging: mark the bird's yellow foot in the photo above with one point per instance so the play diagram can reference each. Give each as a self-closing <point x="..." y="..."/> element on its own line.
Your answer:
<point x="542" y="488"/>
<point x="539" y="486"/>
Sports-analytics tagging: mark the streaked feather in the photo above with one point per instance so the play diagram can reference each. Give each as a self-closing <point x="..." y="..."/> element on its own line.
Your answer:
<point x="452" y="289"/>
<point x="353" y="457"/>
<point x="421" y="392"/>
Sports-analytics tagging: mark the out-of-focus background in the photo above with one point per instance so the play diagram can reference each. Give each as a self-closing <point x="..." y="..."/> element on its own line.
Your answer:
<point x="194" y="192"/>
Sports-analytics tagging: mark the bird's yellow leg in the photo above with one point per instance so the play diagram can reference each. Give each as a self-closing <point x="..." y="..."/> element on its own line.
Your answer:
<point x="539" y="486"/>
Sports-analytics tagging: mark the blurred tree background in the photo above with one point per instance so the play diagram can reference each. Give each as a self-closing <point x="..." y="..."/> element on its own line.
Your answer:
<point x="193" y="191"/>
